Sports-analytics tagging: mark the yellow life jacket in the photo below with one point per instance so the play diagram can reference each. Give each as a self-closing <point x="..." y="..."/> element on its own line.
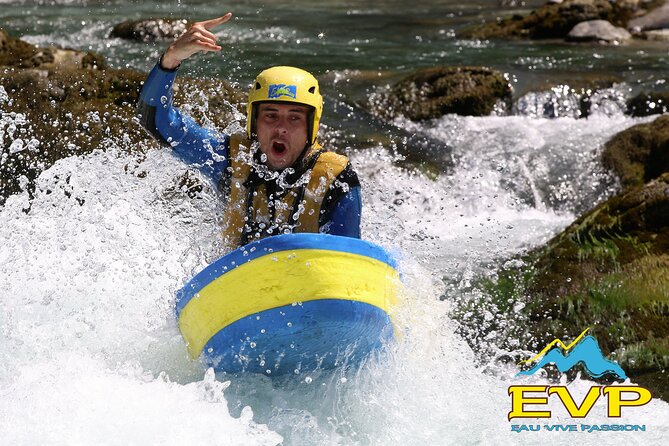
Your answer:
<point x="257" y="208"/>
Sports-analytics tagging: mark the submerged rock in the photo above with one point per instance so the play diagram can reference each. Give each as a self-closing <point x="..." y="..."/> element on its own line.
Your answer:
<point x="646" y="104"/>
<point x="433" y="92"/>
<point x="150" y="30"/>
<point x="576" y="99"/>
<point x="598" y="31"/>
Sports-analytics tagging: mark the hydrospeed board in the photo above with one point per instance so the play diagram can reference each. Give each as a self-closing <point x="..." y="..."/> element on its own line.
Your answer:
<point x="290" y="303"/>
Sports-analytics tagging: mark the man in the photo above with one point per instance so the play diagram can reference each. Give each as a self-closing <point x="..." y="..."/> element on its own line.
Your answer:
<point x="276" y="178"/>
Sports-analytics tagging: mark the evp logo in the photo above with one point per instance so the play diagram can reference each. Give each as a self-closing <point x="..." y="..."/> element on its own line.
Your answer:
<point x="276" y="91"/>
<point x="584" y="350"/>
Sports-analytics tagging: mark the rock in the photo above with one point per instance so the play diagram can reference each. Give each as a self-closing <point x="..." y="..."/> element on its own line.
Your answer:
<point x="656" y="19"/>
<point x="512" y="3"/>
<point x="640" y="153"/>
<point x="13" y="52"/>
<point x="66" y="112"/>
<point x="549" y="21"/>
<point x="646" y="104"/>
<point x="598" y="31"/>
<point x="61" y="109"/>
<point x="576" y="98"/>
<point x="554" y="20"/>
<point x="433" y="92"/>
<point x="606" y="271"/>
<point x="17" y="53"/>
<point x="658" y="35"/>
<point x="149" y="30"/>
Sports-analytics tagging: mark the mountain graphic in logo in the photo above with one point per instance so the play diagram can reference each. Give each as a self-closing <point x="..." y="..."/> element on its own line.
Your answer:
<point x="584" y="350"/>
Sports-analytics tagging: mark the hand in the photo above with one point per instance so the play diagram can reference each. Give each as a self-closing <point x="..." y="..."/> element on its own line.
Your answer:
<point x="197" y="38"/>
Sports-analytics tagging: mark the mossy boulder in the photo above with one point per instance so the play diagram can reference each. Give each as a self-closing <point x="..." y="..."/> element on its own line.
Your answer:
<point x="60" y="109"/>
<point x="14" y="51"/>
<point x="555" y="20"/>
<point x="607" y="271"/>
<point x="433" y="92"/>
<point x="150" y="30"/>
<point x="550" y="21"/>
<point x="640" y="153"/>
<point x="17" y="53"/>
<point x="63" y="112"/>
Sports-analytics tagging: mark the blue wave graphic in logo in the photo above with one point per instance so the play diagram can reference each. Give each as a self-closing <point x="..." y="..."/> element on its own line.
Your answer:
<point x="587" y="353"/>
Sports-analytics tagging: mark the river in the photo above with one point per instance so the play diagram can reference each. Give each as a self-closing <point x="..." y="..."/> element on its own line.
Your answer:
<point x="90" y="352"/>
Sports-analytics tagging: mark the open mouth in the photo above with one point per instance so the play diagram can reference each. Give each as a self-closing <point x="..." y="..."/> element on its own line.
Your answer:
<point x="279" y="148"/>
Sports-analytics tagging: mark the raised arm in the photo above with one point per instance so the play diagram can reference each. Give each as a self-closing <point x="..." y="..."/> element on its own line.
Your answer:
<point x="194" y="144"/>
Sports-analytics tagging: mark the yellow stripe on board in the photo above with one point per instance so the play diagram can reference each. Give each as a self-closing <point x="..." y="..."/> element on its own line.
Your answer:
<point x="281" y="279"/>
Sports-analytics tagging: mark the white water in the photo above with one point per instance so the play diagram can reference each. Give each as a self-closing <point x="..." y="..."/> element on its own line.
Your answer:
<point x="90" y="352"/>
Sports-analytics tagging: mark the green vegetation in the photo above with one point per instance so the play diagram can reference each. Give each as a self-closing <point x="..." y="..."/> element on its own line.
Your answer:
<point x="608" y="271"/>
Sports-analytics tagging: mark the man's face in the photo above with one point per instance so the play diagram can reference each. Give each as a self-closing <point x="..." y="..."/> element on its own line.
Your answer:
<point x="282" y="133"/>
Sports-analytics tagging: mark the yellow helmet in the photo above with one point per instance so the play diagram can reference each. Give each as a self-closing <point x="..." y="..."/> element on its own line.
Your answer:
<point x="285" y="84"/>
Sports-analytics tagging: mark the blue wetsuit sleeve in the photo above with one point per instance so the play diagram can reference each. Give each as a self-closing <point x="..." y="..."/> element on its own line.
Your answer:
<point x="204" y="148"/>
<point x="345" y="217"/>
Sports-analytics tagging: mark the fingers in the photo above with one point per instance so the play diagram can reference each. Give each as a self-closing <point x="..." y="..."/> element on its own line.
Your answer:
<point x="207" y="34"/>
<point x="213" y="23"/>
<point x="207" y="46"/>
<point x="201" y="37"/>
<point x="201" y="43"/>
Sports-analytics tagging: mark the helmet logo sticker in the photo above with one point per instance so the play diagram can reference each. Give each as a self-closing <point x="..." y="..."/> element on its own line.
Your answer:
<point x="278" y="90"/>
